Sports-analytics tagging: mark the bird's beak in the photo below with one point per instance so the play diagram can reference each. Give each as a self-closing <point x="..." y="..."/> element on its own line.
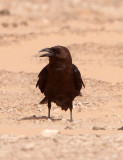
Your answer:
<point x="49" y="54"/>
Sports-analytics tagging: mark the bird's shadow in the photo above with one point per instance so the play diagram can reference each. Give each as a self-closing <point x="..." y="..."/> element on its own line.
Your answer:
<point x="38" y="118"/>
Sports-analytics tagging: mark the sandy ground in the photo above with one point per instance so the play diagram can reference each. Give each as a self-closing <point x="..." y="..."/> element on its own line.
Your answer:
<point x="93" y="32"/>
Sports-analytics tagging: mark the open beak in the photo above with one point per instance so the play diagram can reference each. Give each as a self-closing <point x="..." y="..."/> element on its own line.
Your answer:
<point x="49" y="54"/>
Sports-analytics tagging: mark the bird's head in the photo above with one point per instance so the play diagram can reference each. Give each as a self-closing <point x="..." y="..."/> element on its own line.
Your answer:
<point x="57" y="53"/>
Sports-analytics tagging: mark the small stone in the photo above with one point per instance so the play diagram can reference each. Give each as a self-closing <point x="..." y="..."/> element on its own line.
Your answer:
<point x="29" y="146"/>
<point x="64" y="120"/>
<point x="5" y="12"/>
<point x="97" y="135"/>
<point x="34" y="116"/>
<point x="50" y="133"/>
<point x="40" y="110"/>
<point x="10" y="110"/>
<point x="68" y="127"/>
<point x="39" y="105"/>
<point x="85" y="102"/>
<point x="98" y="128"/>
<point x="4" y="24"/>
<point x="79" y="103"/>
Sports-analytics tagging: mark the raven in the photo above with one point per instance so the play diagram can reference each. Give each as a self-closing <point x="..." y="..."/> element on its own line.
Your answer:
<point x="60" y="80"/>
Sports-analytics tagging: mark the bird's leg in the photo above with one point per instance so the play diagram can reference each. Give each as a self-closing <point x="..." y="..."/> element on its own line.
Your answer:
<point x="49" y="107"/>
<point x="71" y="119"/>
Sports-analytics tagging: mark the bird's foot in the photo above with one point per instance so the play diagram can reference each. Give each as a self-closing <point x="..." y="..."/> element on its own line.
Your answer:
<point x="71" y="120"/>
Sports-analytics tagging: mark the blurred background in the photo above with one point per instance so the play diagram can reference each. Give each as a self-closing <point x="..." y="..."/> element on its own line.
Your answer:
<point x="21" y="19"/>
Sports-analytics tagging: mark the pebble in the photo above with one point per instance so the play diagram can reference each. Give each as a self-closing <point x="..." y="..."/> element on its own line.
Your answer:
<point x="85" y="102"/>
<point x="64" y="120"/>
<point x="29" y="146"/>
<point x="50" y="133"/>
<point x="39" y="105"/>
<point x="79" y="103"/>
<point x="4" y="24"/>
<point x="40" y="110"/>
<point x="5" y="12"/>
<point x="98" y="128"/>
<point x="68" y="127"/>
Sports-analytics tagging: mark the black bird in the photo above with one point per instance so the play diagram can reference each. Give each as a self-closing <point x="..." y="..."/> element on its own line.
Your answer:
<point x="60" y="80"/>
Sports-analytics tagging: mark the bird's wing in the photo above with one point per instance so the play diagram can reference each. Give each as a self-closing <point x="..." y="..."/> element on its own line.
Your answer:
<point x="42" y="78"/>
<point x="77" y="78"/>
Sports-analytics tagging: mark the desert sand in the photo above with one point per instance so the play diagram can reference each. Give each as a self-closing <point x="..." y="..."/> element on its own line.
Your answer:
<point x="93" y="32"/>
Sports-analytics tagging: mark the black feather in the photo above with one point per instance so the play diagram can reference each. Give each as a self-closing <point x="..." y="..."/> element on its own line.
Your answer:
<point x="77" y="78"/>
<point x="42" y="79"/>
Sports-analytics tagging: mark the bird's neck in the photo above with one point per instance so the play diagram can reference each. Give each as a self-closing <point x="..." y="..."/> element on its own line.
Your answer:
<point x="59" y="65"/>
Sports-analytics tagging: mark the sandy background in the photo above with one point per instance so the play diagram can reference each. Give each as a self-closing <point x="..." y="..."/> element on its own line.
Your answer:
<point x="93" y="32"/>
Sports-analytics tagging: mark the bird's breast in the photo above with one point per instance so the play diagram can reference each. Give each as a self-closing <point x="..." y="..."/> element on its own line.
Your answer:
<point x="59" y="83"/>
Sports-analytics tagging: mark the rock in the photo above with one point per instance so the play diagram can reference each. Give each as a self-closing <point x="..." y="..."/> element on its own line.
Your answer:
<point x="68" y="127"/>
<point x="40" y="110"/>
<point x="85" y="102"/>
<point x="29" y="146"/>
<point x="64" y="120"/>
<point x="79" y="103"/>
<point x="5" y="24"/>
<point x="98" y="128"/>
<point x="34" y="116"/>
<point x="5" y="12"/>
<point x="38" y="105"/>
<point x="50" y="133"/>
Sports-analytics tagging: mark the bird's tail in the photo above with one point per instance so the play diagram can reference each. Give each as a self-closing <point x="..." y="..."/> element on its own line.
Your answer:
<point x="44" y="101"/>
